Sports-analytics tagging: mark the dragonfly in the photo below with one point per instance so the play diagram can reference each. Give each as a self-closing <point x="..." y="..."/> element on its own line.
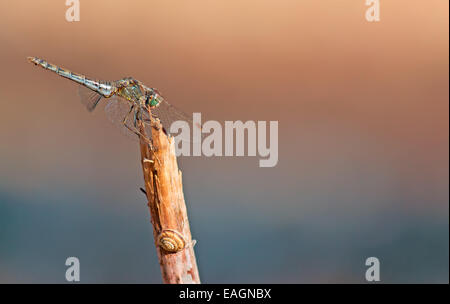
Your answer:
<point x="128" y="101"/>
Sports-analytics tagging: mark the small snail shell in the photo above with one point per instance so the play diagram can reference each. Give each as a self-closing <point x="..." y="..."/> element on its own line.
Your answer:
<point x="171" y="240"/>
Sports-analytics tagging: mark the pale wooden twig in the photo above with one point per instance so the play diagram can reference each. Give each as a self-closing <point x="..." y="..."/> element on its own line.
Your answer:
<point x="164" y="190"/>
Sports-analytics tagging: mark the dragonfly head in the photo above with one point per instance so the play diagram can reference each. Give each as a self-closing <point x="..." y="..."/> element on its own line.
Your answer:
<point x="154" y="98"/>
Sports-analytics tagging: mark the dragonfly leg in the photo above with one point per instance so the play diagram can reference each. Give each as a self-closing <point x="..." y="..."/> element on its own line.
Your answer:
<point x="138" y="133"/>
<point x="124" y="121"/>
<point x="150" y="144"/>
<point x="135" y="121"/>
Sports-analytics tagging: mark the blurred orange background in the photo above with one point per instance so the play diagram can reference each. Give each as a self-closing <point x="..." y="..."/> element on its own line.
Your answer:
<point x="363" y="138"/>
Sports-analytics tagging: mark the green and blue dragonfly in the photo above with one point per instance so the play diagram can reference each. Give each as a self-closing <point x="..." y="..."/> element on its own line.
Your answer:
<point x="128" y="101"/>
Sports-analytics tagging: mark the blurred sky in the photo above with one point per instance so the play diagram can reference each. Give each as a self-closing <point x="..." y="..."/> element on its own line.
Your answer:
<point x="363" y="139"/>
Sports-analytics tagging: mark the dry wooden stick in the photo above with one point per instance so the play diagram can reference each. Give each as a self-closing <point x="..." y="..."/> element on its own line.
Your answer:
<point x="164" y="190"/>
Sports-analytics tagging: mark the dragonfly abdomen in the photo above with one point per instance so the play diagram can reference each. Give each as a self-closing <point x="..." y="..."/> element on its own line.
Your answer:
<point x="104" y="88"/>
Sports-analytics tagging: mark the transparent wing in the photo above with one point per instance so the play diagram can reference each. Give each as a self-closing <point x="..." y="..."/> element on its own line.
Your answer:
<point x="119" y="111"/>
<point x="88" y="97"/>
<point x="168" y="114"/>
<point x="120" y="114"/>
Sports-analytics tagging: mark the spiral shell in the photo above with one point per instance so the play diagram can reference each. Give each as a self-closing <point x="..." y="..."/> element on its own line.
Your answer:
<point x="171" y="240"/>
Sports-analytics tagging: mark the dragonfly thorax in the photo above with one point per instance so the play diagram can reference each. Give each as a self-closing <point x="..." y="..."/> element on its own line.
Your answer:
<point x="131" y="90"/>
<point x="135" y="91"/>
